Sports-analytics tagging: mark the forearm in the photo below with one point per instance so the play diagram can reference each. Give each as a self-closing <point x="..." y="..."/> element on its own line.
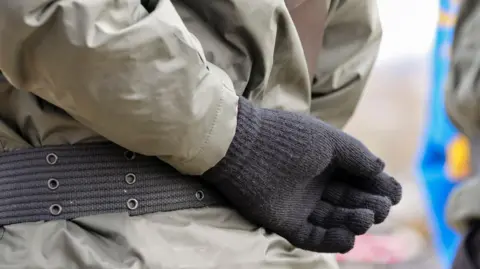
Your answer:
<point x="139" y="79"/>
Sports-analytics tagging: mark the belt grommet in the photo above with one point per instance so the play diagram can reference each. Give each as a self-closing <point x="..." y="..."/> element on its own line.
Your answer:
<point x="199" y="195"/>
<point x="129" y="155"/>
<point x="55" y="209"/>
<point x="53" y="184"/>
<point x="130" y="178"/>
<point x="132" y="204"/>
<point x="51" y="158"/>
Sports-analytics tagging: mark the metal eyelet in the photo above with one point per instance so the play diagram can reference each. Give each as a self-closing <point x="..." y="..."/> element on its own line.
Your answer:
<point x="55" y="209"/>
<point x="129" y="155"/>
<point x="132" y="204"/>
<point x="199" y="195"/>
<point x="53" y="184"/>
<point x="130" y="178"/>
<point x="51" y="158"/>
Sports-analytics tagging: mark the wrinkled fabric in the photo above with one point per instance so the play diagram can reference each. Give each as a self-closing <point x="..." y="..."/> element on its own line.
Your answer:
<point x="206" y="238"/>
<point x="165" y="84"/>
<point x="462" y="101"/>
<point x="461" y="97"/>
<point x="350" y="45"/>
<point x="107" y="62"/>
<point x="260" y="53"/>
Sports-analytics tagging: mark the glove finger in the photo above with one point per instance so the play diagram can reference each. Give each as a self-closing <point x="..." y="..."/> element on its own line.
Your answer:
<point x="318" y="239"/>
<point x="356" y="220"/>
<point x="341" y="194"/>
<point x="347" y="239"/>
<point x="381" y="184"/>
<point x="355" y="157"/>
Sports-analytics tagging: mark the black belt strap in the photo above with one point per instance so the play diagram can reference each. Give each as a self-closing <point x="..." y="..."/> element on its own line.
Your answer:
<point x="66" y="182"/>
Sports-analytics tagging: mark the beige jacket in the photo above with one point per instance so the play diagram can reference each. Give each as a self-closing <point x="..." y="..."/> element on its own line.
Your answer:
<point x="166" y="83"/>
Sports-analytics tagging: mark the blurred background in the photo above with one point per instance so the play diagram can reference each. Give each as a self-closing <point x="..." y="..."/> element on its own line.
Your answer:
<point x="392" y="119"/>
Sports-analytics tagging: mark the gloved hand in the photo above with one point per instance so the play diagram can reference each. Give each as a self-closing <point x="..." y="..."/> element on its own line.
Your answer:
<point x="310" y="183"/>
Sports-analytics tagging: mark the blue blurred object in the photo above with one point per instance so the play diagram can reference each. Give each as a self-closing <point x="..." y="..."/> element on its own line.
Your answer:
<point x="439" y="132"/>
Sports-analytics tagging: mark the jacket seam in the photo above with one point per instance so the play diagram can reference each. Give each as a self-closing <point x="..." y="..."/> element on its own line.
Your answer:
<point x="208" y="136"/>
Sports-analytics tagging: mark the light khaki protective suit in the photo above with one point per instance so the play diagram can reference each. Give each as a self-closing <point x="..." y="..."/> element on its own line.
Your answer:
<point x="462" y="101"/>
<point x="165" y="84"/>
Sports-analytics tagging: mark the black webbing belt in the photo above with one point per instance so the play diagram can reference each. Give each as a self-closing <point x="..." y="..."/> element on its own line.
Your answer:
<point x="66" y="182"/>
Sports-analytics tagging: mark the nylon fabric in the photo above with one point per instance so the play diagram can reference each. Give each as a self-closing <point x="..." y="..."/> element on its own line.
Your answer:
<point x="208" y="238"/>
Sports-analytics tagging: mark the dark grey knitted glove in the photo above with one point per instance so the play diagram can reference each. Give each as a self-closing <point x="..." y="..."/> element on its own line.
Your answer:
<point x="303" y="179"/>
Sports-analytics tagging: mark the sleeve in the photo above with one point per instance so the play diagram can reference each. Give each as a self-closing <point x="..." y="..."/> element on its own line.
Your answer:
<point x="139" y="79"/>
<point x="462" y="90"/>
<point x="350" y="47"/>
